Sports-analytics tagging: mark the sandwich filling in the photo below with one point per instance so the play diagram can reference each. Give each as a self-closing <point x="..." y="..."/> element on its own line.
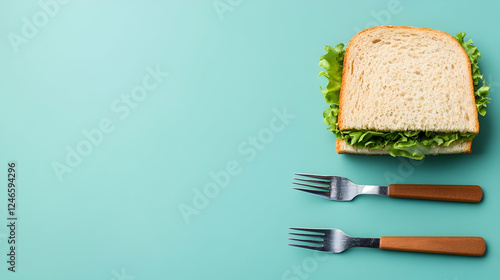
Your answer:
<point x="411" y="144"/>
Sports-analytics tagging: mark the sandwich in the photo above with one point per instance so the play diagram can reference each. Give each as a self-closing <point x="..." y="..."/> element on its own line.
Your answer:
<point x="403" y="91"/>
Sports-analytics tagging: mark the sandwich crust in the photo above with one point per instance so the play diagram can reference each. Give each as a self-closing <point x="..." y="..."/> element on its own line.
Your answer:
<point x="470" y="115"/>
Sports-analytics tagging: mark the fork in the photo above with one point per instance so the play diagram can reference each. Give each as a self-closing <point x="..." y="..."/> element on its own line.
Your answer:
<point x="336" y="241"/>
<point x="342" y="189"/>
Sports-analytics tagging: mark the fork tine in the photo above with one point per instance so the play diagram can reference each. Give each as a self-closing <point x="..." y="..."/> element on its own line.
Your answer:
<point x="313" y="181"/>
<point x="312" y="186"/>
<point x="308" y="235"/>
<point x="308" y="247"/>
<point x="320" y="193"/>
<point x="315" y="230"/>
<point x="314" y="176"/>
<point x="305" y="240"/>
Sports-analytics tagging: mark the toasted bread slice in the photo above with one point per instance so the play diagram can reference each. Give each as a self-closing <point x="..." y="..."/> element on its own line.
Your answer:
<point x="454" y="148"/>
<point x="407" y="78"/>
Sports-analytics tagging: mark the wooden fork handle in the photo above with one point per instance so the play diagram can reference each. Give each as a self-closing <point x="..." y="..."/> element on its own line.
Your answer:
<point x="459" y="193"/>
<point x="465" y="246"/>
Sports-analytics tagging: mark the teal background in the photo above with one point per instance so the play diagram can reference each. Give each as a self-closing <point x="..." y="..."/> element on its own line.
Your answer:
<point x="117" y="214"/>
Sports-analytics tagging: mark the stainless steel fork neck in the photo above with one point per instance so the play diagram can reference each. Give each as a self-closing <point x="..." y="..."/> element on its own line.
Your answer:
<point x="364" y="242"/>
<point x="380" y="190"/>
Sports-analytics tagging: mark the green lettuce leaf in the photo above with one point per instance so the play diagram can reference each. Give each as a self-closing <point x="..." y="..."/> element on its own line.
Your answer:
<point x="411" y="144"/>
<point x="332" y="62"/>
<point x="474" y="55"/>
